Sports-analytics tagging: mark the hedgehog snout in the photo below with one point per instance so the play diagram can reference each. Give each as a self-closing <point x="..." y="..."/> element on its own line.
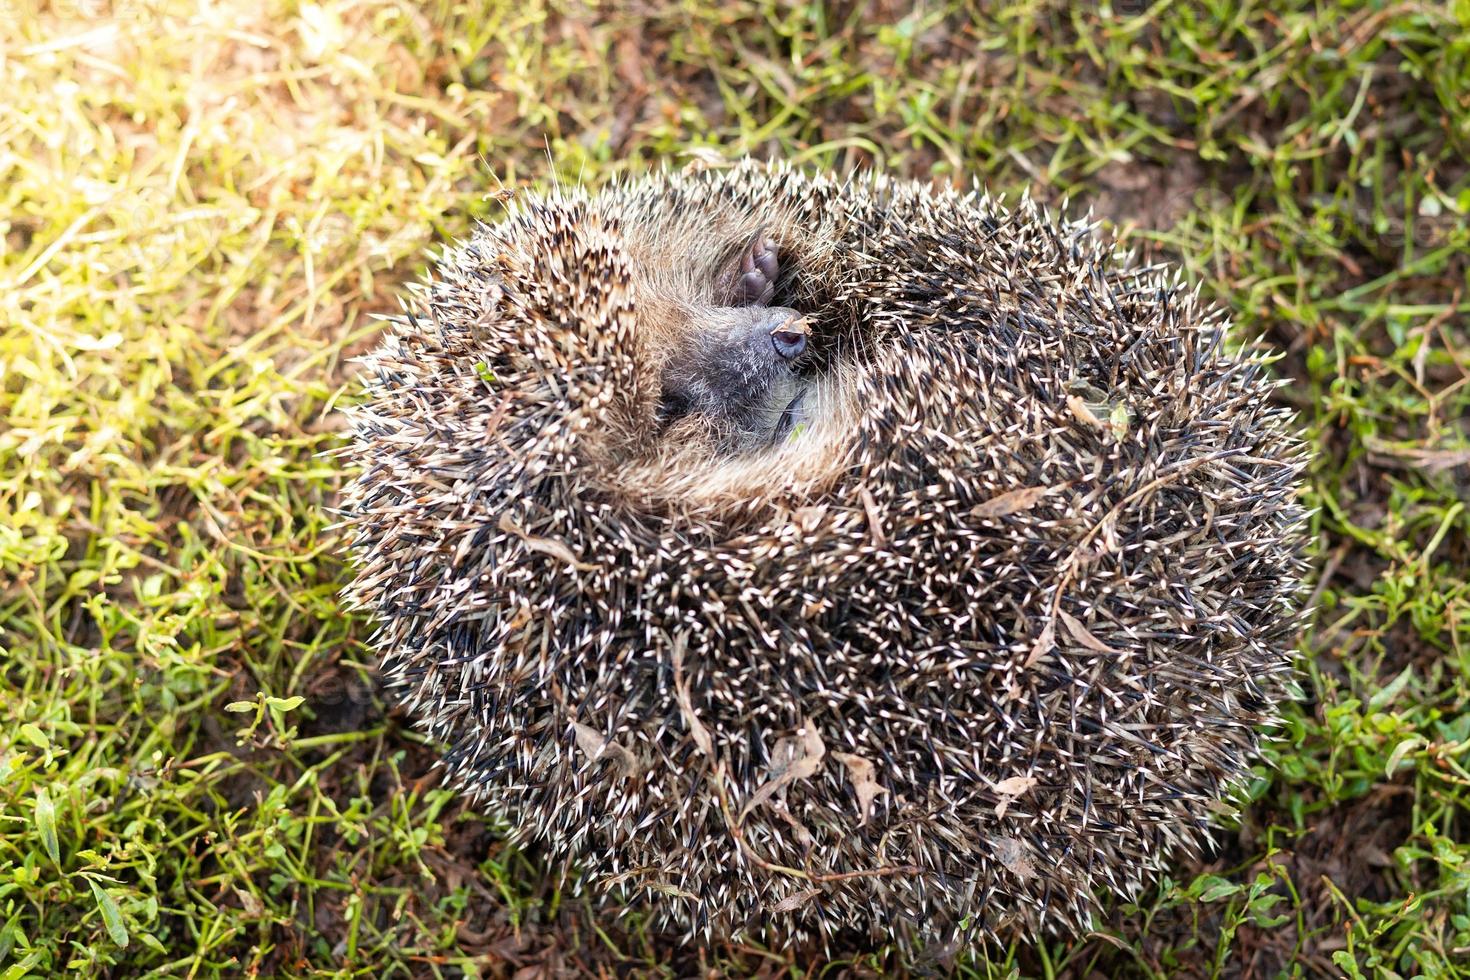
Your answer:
<point x="789" y="337"/>
<point x="779" y="329"/>
<point x="740" y="372"/>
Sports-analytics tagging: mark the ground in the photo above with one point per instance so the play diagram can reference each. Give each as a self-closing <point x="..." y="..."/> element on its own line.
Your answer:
<point x="206" y="201"/>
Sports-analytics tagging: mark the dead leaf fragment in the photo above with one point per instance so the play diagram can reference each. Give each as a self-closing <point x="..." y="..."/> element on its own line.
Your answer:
<point x="1015" y="785"/>
<point x="1081" y="634"/>
<point x="1112" y="940"/>
<point x="1010" y="789"/>
<point x="1044" y="644"/>
<point x="674" y="891"/>
<point x="793" y="902"/>
<point x="250" y="904"/>
<point x="1084" y="414"/>
<point x="798" y="829"/>
<point x="1011" y="853"/>
<point x="521" y="618"/>
<point x="875" y="517"/>
<point x="1011" y="502"/>
<point x="697" y="731"/>
<point x="864" y="783"/>
<point x="546" y="546"/>
<point x="1382" y="452"/>
<point x="591" y="741"/>
<point x="1118" y="420"/>
<point x="794" y="757"/>
<point x="706" y="158"/>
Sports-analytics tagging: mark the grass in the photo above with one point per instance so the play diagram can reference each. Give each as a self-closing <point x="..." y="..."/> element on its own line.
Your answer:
<point x="203" y="204"/>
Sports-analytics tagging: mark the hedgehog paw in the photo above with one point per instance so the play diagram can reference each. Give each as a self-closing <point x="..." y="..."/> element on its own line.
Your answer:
<point x="756" y="285"/>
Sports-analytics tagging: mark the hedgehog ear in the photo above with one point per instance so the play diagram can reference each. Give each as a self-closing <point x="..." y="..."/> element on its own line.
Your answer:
<point x="750" y="278"/>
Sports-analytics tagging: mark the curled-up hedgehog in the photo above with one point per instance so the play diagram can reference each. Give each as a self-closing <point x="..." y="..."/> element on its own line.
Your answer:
<point x="790" y="555"/>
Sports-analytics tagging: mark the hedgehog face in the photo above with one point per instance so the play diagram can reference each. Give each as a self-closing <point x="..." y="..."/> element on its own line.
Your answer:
<point x="737" y="375"/>
<point x="733" y="369"/>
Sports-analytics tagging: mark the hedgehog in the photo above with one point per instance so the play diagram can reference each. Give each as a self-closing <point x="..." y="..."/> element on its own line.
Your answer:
<point x="793" y="556"/>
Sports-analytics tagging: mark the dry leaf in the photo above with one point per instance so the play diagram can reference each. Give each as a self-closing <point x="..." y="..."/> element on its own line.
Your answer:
<point x="864" y="784"/>
<point x="697" y="731"/>
<point x="521" y="618"/>
<point x="813" y="608"/>
<point x="1011" y="853"/>
<point x="1044" y="644"/>
<point x="589" y="740"/>
<point x="875" y="519"/>
<point x="1118" y="420"/>
<point x="1081" y="634"/>
<point x="1113" y="940"/>
<point x="1011" y="788"/>
<point x="793" y="902"/>
<point x="1084" y="414"/>
<point x="1385" y="453"/>
<point x="706" y="158"/>
<point x="794" y="757"/>
<point x="251" y="905"/>
<point x="1015" y="785"/>
<point x="803" y="836"/>
<point x="546" y="546"/>
<point x="1012" y="502"/>
<point x="674" y="891"/>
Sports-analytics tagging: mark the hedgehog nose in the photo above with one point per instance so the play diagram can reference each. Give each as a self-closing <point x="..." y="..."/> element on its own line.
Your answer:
<point x="789" y="338"/>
